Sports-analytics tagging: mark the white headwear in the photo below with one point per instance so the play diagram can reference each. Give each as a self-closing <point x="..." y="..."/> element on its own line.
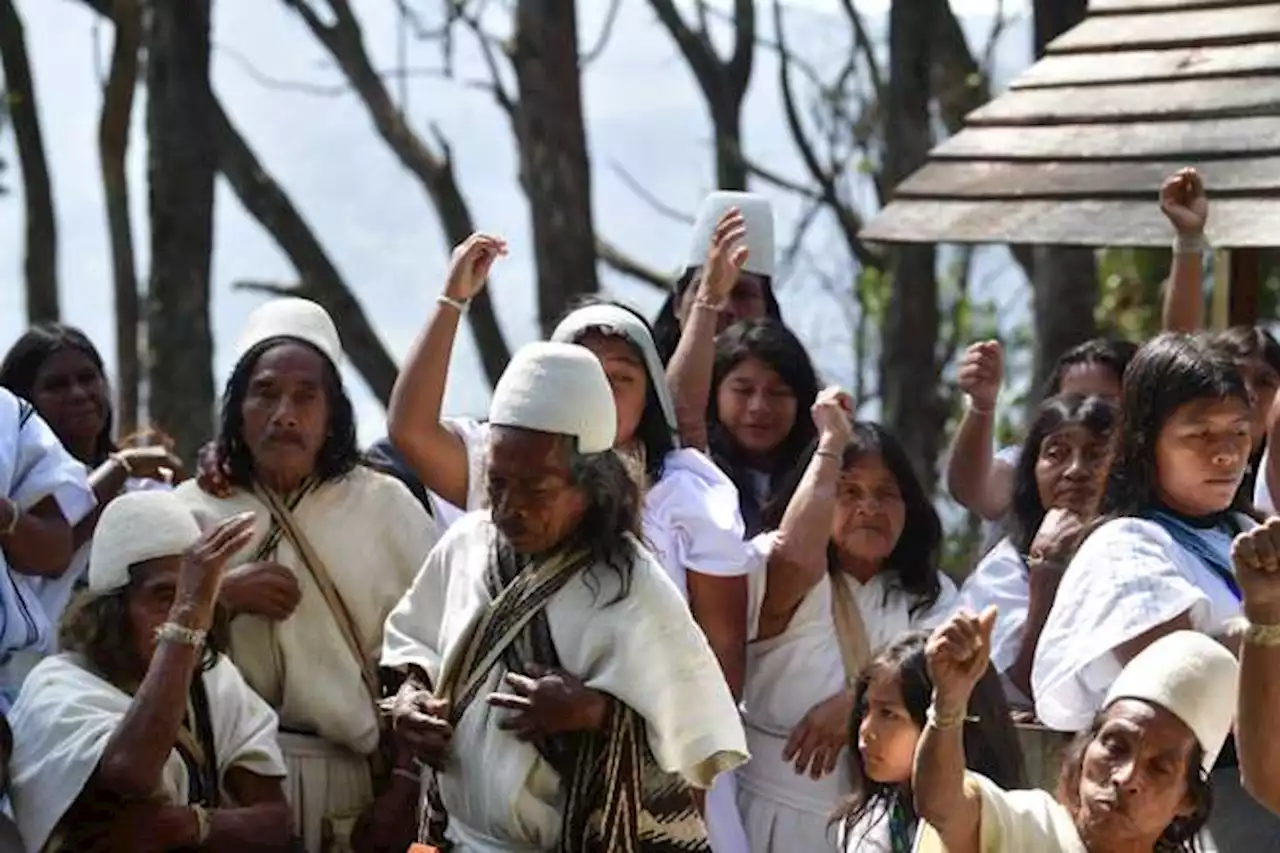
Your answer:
<point x="758" y="214"/>
<point x="557" y="388"/>
<point x="290" y="317"/>
<point x="1192" y="677"/>
<point x="134" y="528"/>
<point x="613" y="320"/>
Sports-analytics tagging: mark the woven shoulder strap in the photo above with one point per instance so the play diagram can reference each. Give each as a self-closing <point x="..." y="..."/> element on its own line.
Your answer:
<point x="851" y="631"/>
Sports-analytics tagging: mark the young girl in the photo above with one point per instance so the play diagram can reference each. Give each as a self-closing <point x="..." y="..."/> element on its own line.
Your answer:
<point x="851" y="567"/>
<point x="891" y="703"/>
<point x="1058" y="487"/>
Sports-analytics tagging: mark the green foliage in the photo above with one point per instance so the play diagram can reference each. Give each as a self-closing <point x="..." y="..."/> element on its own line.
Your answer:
<point x="1130" y="291"/>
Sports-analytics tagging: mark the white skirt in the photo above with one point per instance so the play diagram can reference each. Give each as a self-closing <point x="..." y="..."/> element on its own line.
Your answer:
<point x="328" y="787"/>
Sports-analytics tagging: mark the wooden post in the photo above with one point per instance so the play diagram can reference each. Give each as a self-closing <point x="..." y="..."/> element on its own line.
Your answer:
<point x="1220" y="300"/>
<point x="1246" y="276"/>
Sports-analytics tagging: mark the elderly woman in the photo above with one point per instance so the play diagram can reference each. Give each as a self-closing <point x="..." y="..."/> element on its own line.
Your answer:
<point x="1137" y="779"/>
<point x="141" y="735"/>
<point x="335" y="547"/>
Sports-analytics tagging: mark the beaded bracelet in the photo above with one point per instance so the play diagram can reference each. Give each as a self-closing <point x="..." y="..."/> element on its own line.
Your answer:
<point x="459" y="305"/>
<point x="1263" y="635"/>
<point x="175" y="633"/>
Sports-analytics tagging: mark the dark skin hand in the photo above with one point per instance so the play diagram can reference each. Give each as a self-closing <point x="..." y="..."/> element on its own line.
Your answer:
<point x="547" y="702"/>
<point x="420" y="725"/>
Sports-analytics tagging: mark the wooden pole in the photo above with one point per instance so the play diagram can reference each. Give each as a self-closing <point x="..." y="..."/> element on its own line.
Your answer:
<point x="1246" y="277"/>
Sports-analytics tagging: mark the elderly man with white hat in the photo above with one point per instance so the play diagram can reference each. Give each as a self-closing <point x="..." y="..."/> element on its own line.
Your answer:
<point x="141" y="735"/>
<point x="560" y="689"/>
<point x="1136" y="780"/>
<point x="335" y="547"/>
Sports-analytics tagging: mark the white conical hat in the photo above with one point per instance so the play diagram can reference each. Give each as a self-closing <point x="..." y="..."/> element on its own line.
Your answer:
<point x="291" y="317"/>
<point x="1194" y="678"/>
<point x="134" y="528"/>
<point x="758" y="214"/>
<point x="560" y="389"/>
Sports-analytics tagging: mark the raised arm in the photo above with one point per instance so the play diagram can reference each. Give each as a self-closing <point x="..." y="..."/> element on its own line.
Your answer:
<point x="1184" y="201"/>
<point x="798" y="560"/>
<point x="977" y="480"/>
<point x="432" y="450"/>
<point x="691" y="366"/>
<point x="1256" y="556"/>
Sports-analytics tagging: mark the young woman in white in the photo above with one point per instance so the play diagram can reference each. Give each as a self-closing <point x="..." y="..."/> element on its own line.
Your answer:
<point x="1058" y="487"/>
<point x="851" y="567"/>
<point x="690" y="514"/>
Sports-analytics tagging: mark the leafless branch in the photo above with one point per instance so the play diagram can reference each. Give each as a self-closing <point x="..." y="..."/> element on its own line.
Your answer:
<point x="489" y="47"/>
<point x="862" y="40"/>
<point x="321" y="90"/>
<point x="638" y="187"/>
<point x="270" y="288"/>
<point x="617" y="260"/>
<point x="606" y="31"/>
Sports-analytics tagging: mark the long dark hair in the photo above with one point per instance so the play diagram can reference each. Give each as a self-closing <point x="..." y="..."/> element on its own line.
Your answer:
<point x="339" y="454"/>
<point x="653" y="432"/>
<point x="776" y="346"/>
<point x="991" y="745"/>
<point x="37" y="345"/>
<point x="1095" y="414"/>
<point x="914" y="559"/>
<point x="1180" y="836"/>
<point x="666" y="327"/>
<point x="1246" y="342"/>
<point x="1169" y="372"/>
<point x="1111" y="353"/>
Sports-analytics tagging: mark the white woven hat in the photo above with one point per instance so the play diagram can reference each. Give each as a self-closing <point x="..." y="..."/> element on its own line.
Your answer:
<point x="758" y="214"/>
<point x="291" y="317"/>
<point x="614" y="320"/>
<point x="134" y="528"/>
<point x="557" y="388"/>
<point x="1192" y="677"/>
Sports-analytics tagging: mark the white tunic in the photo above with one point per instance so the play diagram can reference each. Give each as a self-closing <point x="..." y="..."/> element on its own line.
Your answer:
<point x="786" y="676"/>
<point x="1261" y="491"/>
<point x="1014" y="822"/>
<point x="1001" y="579"/>
<point x="1128" y="577"/>
<point x="644" y="650"/>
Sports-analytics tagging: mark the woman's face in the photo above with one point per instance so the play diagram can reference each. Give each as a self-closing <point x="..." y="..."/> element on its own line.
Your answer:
<point x="70" y="393"/>
<point x="1092" y="380"/>
<point x="1071" y="470"/>
<point x="870" y="512"/>
<point x="1201" y="454"/>
<point x="627" y="377"/>
<point x="148" y="599"/>
<point x="1133" y="779"/>
<point x="746" y="301"/>
<point x="887" y="735"/>
<point x="1261" y="380"/>
<point x="286" y="411"/>
<point x="756" y="407"/>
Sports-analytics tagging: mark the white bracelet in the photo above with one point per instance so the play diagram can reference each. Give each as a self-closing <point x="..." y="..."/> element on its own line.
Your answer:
<point x="459" y="305"/>
<point x="1190" y="244"/>
<point x="204" y="823"/>
<point x="181" y="634"/>
<point x="15" y="515"/>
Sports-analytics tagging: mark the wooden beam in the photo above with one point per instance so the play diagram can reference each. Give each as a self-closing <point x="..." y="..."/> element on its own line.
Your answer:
<point x="1147" y="66"/>
<point x="1246" y="283"/>
<point x="1133" y="102"/>
<point x="1192" y="141"/>
<point x="1112" y="7"/>
<point x="1095" y="180"/>
<point x="1166" y="30"/>
<point x="1235" y="223"/>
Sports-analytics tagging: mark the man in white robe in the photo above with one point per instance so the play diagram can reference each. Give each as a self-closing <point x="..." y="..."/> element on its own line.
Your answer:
<point x="555" y="664"/>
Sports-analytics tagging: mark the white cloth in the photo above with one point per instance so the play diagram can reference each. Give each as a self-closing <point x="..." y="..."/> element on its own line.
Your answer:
<point x="291" y="317"/>
<point x="789" y="674"/>
<point x="134" y="529"/>
<point x="65" y="716"/>
<point x="1014" y="822"/>
<point x="372" y="535"/>
<point x="758" y="216"/>
<point x="1261" y="491"/>
<point x="644" y="650"/>
<point x="1128" y="577"/>
<point x="325" y="781"/>
<point x="1000" y="579"/>
<point x="33" y="466"/>
<point x="559" y="389"/>
<point x="870" y="834"/>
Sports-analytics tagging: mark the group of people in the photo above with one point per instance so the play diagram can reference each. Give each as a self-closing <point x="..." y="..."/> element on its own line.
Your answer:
<point x="670" y="595"/>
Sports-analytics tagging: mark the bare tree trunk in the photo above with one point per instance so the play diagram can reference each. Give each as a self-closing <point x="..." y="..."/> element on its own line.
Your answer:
<point x="909" y="370"/>
<point x="181" y="169"/>
<point x="113" y="144"/>
<point x="1065" y="279"/>
<point x="555" y="170"/>
<point x="42" y="231"/>
<point x="723" y="82"/>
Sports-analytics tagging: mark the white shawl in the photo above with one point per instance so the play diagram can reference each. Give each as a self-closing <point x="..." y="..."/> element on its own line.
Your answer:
<point x="645" y="650"/>
<point x="65" y="716"/>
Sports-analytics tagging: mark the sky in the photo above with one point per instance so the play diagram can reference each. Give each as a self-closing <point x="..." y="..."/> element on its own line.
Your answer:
<point x="643" y="112"/>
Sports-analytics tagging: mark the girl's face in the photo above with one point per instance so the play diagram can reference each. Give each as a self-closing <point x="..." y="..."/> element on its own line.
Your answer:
<point x="870" y="512"/>
<point x="627" y="377"/>
<point x="1201" y="454"/>
<point x="70" y="393"/>
<point x="756" y="407"/>
<point x="887" y="735"/>
<point x="1071" y="470"/>
<point x="1261" y="380"/>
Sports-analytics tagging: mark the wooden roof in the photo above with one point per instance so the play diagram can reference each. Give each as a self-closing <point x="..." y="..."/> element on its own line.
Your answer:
<point x="1075" y="151"/>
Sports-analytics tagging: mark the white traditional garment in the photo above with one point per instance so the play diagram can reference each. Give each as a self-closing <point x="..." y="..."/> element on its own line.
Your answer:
<point x="1128" y="577"/>
<point x="1000" y="579"/>
<point x="870" y="834"/>
<point x="1261" y="491"/>
<point x="33" y="466"/>
<point x="1014" y="822"/>
<point x="644" y="650"/>
<point x="789" y="674"/>
<point x="65" y="716"/>
<point x="373" y="536"/>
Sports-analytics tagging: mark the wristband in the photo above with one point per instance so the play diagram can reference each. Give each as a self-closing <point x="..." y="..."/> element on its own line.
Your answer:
<point x="1267" y="636"/>
<point x="1190" y="244"/>
<point x="944" y="722"/>
<point x="459" y="305"/>
<point x="172" y="632"/>
<point x="204" y="825"/>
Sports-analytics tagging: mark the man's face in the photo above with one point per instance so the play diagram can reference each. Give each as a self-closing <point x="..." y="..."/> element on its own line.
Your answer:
<point x="531" y="492"/>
